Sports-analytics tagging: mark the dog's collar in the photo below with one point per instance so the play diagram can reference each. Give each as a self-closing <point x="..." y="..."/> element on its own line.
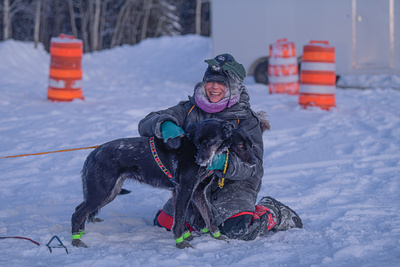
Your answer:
<point x="221" y="181"/>
<point x="159" y="162"/>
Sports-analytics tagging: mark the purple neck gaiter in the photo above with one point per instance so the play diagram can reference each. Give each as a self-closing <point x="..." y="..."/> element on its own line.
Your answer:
<point x="202" y="101"/>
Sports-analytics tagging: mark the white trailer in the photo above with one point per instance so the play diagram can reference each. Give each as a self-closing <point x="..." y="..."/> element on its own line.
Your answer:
<point x="365" y="33"/>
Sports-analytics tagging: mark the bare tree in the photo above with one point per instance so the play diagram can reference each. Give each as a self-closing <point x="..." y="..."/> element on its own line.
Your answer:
<point x="95" y="25"/>
<point x="146" y="19"/>
<point x="37" y="22"/>
<point x="166" y="19"/>
<point x="9" y="9"/>
<point x="99" y="23"/>
<point x="72" y="18"/>
<point x="43" y="33"/>
<point x="102" y="23"/>
<point x="122" y="19"/>
<point x="56" y="25"/>
<point x="84" y="24"/>
<point x="134" y="23"/>
<point x="6" y="19"/>
<point x="199" y="10"/>
<point x="198" y="16"/>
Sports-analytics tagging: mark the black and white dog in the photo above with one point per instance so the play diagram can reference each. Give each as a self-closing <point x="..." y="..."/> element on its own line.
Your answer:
<point x="149" y="161"/>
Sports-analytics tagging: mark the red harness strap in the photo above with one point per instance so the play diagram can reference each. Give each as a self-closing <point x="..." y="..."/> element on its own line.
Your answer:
<point x="159" y="162"/>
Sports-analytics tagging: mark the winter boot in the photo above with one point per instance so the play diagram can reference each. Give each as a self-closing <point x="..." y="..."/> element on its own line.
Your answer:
<point x="286" y="217"/>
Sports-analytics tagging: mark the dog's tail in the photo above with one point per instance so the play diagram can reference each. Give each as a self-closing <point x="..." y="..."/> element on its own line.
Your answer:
<point x="264" y="123"/>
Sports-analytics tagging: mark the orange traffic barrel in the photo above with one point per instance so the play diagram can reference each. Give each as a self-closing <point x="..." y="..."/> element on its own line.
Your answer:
<point x="282" y="68"/>
<point x="317" y="75"/>
<point x="65" y="78"/>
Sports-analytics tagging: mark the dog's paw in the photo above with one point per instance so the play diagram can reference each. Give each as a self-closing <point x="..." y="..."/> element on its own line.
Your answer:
<point x="220" y="237"/>
<point x="79" y="243"/>
<point x="183" y="244"/>
<point x="189" y="238"/>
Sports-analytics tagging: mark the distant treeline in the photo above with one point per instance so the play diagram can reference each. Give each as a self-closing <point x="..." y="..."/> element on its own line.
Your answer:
<point x="102" y="23"/>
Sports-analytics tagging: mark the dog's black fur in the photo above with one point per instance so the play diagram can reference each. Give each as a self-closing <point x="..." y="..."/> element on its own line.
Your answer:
<point x="107" y="167"/>
<point x="239" y="143"/>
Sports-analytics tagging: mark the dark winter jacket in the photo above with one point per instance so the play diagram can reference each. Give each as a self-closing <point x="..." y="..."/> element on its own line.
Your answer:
<point x="242" y="183"/>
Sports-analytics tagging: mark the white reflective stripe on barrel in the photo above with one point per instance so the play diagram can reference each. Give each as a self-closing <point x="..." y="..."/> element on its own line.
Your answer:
<point x="282" y="61"/>
<point x="57" y="84"/>
<point x="75" y="84"/>
<point x="283" y="79"/>
<point x="317" y="66"/>
<point x="317" y="89"/>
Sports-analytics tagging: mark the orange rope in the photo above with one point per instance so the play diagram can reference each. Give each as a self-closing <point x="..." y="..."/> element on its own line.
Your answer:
<point x="43" y="153"/>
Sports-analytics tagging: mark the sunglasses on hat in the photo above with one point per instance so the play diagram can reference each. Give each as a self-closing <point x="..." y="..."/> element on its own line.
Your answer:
<point x="226" y="62"/>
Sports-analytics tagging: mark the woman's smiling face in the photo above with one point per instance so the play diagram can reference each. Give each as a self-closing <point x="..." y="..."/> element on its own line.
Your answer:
<point x="215" y="91"/>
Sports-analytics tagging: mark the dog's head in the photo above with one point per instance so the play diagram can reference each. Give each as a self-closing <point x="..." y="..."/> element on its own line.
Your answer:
<point x="210" y="137"/>
<point x="242" y="144"/>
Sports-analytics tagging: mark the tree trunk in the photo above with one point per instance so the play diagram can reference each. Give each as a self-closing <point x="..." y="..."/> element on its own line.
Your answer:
<point x="44" y="36"/>
<point x="95" y="25"/>
<point x="146" y="20"/>
<point x="198" y="17"/>
<point x="37" y="22"/>
<point x="158" y="31"/>
<point x="119" y="26"/>
<point x="89" y="29"/>
<point x="57" y="23"/>
<point x="8" y="13"/>
<point x="84" y="18"/>
<point x="72" y="18"/>
<point x="125" y="23"/>
<point x="102" y="23"/>
<point x="135" y="26"/>
<point x="6" y="19"/>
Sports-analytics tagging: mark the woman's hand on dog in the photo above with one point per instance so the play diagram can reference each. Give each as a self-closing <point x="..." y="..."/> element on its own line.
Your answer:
<point x="171" y="134"/>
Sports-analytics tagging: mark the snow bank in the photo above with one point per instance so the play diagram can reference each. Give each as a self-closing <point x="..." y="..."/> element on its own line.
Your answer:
<point x="339" y="169"/>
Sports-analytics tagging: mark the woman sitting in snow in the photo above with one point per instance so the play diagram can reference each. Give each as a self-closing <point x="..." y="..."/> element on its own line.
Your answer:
<point x="222" y="95"/>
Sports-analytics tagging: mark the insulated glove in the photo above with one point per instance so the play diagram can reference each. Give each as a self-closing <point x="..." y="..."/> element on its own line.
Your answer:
<point x="218" y="162"/>
<point x="170" y="131"/>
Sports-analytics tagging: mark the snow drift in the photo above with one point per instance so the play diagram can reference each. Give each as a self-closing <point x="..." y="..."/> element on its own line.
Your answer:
<point x="338" y="169"/>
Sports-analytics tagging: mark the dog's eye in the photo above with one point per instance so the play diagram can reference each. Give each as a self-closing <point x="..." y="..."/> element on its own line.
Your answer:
<point x="241" y="146"/>
<point x="206" y="142"/>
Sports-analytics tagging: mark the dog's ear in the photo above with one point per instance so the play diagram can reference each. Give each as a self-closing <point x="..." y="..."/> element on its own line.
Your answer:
<point x="227" y="128"/>
<point x="191" y="130"/>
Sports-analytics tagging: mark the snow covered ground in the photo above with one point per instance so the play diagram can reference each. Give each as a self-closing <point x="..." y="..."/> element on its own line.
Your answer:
<point x="339" y="169"/>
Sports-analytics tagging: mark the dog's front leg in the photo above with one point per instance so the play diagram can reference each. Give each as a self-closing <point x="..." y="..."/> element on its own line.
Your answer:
<point x="181" y="198"/>
<point x="203" y="206"/>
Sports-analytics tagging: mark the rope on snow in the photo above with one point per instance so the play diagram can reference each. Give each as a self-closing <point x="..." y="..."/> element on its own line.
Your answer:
<point x="19" y="237"/>
<point x="43" y="153"/>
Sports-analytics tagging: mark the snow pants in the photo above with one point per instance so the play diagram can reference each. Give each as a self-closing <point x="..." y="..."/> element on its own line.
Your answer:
<point x="243" y="225"/>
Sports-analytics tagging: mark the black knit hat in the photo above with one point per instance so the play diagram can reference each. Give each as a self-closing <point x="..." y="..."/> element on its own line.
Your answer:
<point x="218" y="77"/>
<point x="221" y="68"/>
